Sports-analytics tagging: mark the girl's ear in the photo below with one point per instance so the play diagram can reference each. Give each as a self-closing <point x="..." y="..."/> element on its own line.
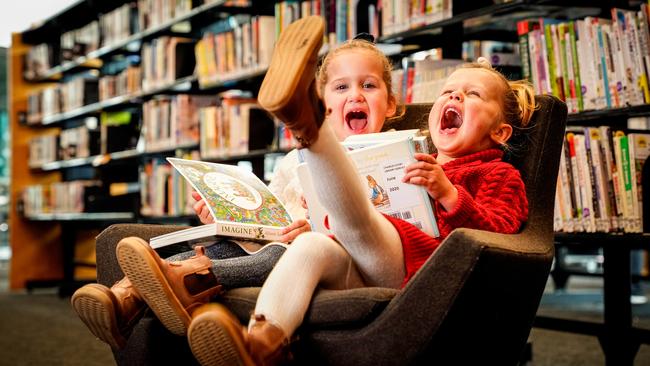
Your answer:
<point x="392" y="106"/>
<point x="501" y="134"/>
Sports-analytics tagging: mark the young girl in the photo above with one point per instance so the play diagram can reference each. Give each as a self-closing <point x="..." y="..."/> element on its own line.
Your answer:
<point x="470" y="122"/>
<point x="111" y="313"/>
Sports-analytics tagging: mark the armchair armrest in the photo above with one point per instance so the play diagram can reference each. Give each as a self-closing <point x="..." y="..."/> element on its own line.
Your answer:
<point x="451" y="288"/>
<point x="108" y="270"/>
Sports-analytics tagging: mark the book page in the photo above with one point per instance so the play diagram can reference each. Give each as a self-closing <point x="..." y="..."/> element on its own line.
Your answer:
<point x="381" y="168"/>
<point x="233" y="194"/>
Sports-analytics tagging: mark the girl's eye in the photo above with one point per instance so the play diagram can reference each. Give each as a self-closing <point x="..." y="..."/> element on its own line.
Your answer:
<point x="474" y="93"/>
<point x="340" y="87"/>
<point x="445" y="92"/>
<point x="368" y="85"/>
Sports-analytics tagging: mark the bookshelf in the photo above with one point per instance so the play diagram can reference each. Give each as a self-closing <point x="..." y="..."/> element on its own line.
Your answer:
<point x="101" y="44"/>
<point x="201" y="24"/>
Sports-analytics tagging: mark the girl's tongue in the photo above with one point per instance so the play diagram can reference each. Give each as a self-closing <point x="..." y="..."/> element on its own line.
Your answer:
<point x="357" y="121"/>
<point x="451" y="120"/>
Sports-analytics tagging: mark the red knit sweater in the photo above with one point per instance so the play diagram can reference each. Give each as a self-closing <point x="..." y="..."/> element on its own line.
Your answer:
<point x="491" y="196"/>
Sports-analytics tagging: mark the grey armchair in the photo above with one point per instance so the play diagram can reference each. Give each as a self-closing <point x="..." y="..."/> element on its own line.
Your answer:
<point x="473" y="302"/>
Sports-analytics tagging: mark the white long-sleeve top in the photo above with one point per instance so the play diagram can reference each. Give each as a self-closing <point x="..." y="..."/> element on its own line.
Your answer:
<point x="286" y="186"/>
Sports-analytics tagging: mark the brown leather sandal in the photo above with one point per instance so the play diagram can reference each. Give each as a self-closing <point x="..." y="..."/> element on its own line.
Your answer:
<point x="110" y="314"/>
<point x="288" y="90"/>
<point x="173" y="290"/>
<point x="217" y="338"/>
<point x="268" y="344"/>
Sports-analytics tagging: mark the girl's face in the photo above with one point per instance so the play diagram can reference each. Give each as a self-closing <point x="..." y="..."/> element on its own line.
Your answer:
<point x="356" y="94"/>
<point x="467" y="116"/>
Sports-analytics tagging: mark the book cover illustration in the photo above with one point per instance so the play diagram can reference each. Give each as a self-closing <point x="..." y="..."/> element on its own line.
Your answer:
<point x="380" y="167"/>
<point x="233" y="194"/>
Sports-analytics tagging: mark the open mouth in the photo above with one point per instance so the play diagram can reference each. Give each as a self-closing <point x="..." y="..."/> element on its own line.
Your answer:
<point x="356" y="120"/>
<point x="451" y="120"/>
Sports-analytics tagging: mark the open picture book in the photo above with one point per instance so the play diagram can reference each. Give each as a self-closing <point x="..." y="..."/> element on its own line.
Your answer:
<point x="380" y="159"/>
<point x="241" y="205"/>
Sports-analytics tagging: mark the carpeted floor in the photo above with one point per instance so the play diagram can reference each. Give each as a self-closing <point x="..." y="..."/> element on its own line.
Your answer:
<point x="42" y="329"/>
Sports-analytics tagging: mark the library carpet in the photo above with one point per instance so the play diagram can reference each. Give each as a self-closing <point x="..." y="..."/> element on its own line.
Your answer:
<point x="42" y="329"/>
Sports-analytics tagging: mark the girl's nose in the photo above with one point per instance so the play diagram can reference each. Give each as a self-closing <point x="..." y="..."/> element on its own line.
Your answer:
<point x="456" y="95"/>
<point x="355" y="95"/>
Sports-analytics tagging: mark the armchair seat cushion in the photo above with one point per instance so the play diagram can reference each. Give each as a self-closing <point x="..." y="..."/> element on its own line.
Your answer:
<point x="329" y="308"/>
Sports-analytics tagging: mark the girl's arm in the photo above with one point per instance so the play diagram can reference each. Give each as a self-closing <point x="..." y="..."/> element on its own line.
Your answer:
<point x="499" y="203"/>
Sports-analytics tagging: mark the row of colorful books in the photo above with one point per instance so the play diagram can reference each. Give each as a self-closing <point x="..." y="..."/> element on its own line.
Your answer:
<point x="126" y="82"/>
<point x="223" y="126"/>
<point x="399" y="16"/>
<point x="166" y="59"/>
<point x="600" y="179"/>
<point x="60" y="197"/>
<point x="225" y="50"/>
<point x="591" y="63"/>
<point x="109" y="29"/>
<point x="112" y="132"/>
<point x="64" y="97"/>
<point x="78" y="142"/>
<point x="163" y="191"/>
<point x="235" y="127"/>
<point x="169" y="121"/>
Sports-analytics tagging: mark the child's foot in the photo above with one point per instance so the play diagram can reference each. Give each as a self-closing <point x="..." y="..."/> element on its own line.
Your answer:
<point x="289" y="90"/>
<point x="216" y="337"/>
<point x="110" y="314"/>
<point x="173" y="290"/>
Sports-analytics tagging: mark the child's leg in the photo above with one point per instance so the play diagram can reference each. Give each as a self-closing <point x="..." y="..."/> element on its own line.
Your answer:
<point x="312" y="259"/>
<point x="365" y="233"/>
<point x="249" y="270"/>
<point x="222" y="249"/>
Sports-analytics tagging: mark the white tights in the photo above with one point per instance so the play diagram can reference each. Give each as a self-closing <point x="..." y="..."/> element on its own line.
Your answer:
<point x="368" y="251"/>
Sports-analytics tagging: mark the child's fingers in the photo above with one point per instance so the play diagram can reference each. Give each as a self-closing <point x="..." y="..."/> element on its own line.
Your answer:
<point x="196" y="196"/>
<point x="292" y="231"/>
<point x="294" y="225"/>
<point x="425" y="157"/>
<point x="197" y="206"/>
<point x="425" y="172"/>
<point x="205" y="216"/>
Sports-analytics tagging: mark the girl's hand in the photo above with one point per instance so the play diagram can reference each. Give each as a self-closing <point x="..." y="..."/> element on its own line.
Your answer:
<point x="292" y="231"/>
<point x="201" y="209"/>
<point x="428" y="173"/>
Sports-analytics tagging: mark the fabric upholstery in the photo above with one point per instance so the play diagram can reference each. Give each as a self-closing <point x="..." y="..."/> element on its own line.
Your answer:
<point x="473" y="301"/>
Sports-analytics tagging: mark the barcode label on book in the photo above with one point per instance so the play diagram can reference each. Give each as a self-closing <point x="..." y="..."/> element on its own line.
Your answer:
<point x="404" y="215"/>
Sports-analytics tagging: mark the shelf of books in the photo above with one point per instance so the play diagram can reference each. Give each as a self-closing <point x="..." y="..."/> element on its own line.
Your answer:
<point x="112" y="89"/>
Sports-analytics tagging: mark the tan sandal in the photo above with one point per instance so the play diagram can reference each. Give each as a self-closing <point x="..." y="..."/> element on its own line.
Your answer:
<point x="173" y="290"/>
<point x="216" y="337"/>
<point x="110" y="314"/>
<point x="289" y="90"/>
